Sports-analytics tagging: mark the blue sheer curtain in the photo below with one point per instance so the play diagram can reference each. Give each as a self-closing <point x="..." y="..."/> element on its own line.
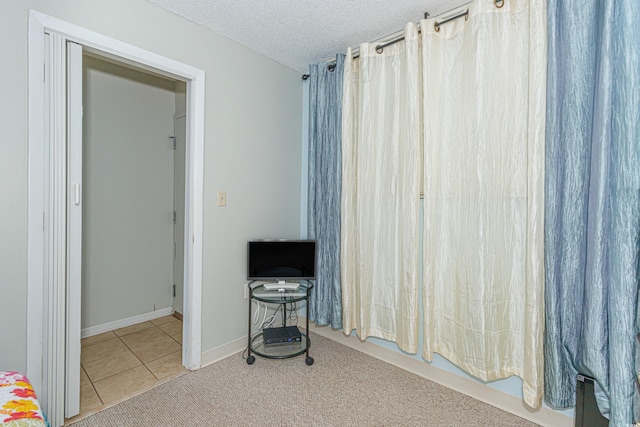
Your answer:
<point x="592" y="212"/>
<point x="325" y="182"/>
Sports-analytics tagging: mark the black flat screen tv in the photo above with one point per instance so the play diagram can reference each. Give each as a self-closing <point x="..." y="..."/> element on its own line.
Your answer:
<point x="281" y="260"/>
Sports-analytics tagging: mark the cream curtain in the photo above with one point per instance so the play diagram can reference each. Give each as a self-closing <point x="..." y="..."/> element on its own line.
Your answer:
<point x="381" y="138"/>
<point x="484" y="119"/>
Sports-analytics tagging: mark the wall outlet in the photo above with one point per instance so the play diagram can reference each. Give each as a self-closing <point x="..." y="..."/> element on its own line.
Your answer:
<point x="246" y="291"/>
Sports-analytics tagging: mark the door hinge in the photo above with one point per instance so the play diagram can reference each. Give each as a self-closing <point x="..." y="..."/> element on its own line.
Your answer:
<point x="173" y="142"/>
<point x="174" y="291"/>
<point x="174" y="216"/>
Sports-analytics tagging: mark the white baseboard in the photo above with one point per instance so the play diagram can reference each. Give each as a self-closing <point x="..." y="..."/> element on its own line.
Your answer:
<point x="225" y="350"/>
<point x="544" y="416"/>
<point x="122" y="323"/>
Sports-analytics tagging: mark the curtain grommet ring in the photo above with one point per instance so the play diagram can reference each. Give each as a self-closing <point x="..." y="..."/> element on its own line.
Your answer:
<point x="331" y="67"/>
<point x="499" y="3"/>
<point x="436" y="25"/>
<point x="379" y="49"/>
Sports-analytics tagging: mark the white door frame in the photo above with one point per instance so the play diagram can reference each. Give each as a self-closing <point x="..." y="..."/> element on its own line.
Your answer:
<point x="38" y="175"/>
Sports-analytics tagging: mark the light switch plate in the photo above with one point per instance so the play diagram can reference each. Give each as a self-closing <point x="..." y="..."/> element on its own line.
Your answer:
<point x="222" y="198"/>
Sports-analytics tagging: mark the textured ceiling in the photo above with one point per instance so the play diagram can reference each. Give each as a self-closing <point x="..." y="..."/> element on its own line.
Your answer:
<point x="297" y="33"/>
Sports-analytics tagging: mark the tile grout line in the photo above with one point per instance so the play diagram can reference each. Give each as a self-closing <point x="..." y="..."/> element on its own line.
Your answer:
<point x="131" y="350"/>
<point x="134" y="354"/>
<point x="92" y="385"/>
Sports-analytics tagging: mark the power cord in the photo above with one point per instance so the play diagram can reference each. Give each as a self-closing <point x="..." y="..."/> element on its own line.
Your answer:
<point x="291" y="314"/>
<point x="266" y="322"/>
<point x="256" y="313"/>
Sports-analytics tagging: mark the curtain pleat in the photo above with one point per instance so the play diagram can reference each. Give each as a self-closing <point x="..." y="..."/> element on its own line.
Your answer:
<point x="592" y="213"/>
<point x="325" y="183"/>
<point x="484" y="117"/>
<point x="380" y="193"/>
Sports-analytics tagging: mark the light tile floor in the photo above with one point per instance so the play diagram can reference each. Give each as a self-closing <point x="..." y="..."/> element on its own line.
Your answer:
<point x="119" y="364"/>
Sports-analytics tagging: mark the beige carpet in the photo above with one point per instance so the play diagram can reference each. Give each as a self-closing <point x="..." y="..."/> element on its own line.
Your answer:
<point x="342" y="388"/>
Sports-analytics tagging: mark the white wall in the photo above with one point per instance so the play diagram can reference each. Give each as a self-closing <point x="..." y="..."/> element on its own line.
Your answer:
<point x="127" y="262"/>
<point x="13" y="185"/>
<point x="252" y="150"/>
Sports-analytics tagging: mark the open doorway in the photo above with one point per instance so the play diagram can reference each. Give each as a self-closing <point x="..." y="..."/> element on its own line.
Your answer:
<point x="132" y="230"/>
<point x="50" y="342"/>
<point x="129" y="182"/>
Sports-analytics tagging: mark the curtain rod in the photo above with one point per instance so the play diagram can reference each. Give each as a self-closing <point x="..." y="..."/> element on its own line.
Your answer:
<point x="436" y="25"/>
<point x="379" y="49"/>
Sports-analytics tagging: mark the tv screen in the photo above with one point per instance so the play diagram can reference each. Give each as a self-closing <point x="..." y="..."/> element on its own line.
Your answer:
<point x="280" y="260"/>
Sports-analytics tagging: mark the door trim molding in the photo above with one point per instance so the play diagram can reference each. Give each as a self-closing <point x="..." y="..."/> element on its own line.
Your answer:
<point x="38" y="179"/>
